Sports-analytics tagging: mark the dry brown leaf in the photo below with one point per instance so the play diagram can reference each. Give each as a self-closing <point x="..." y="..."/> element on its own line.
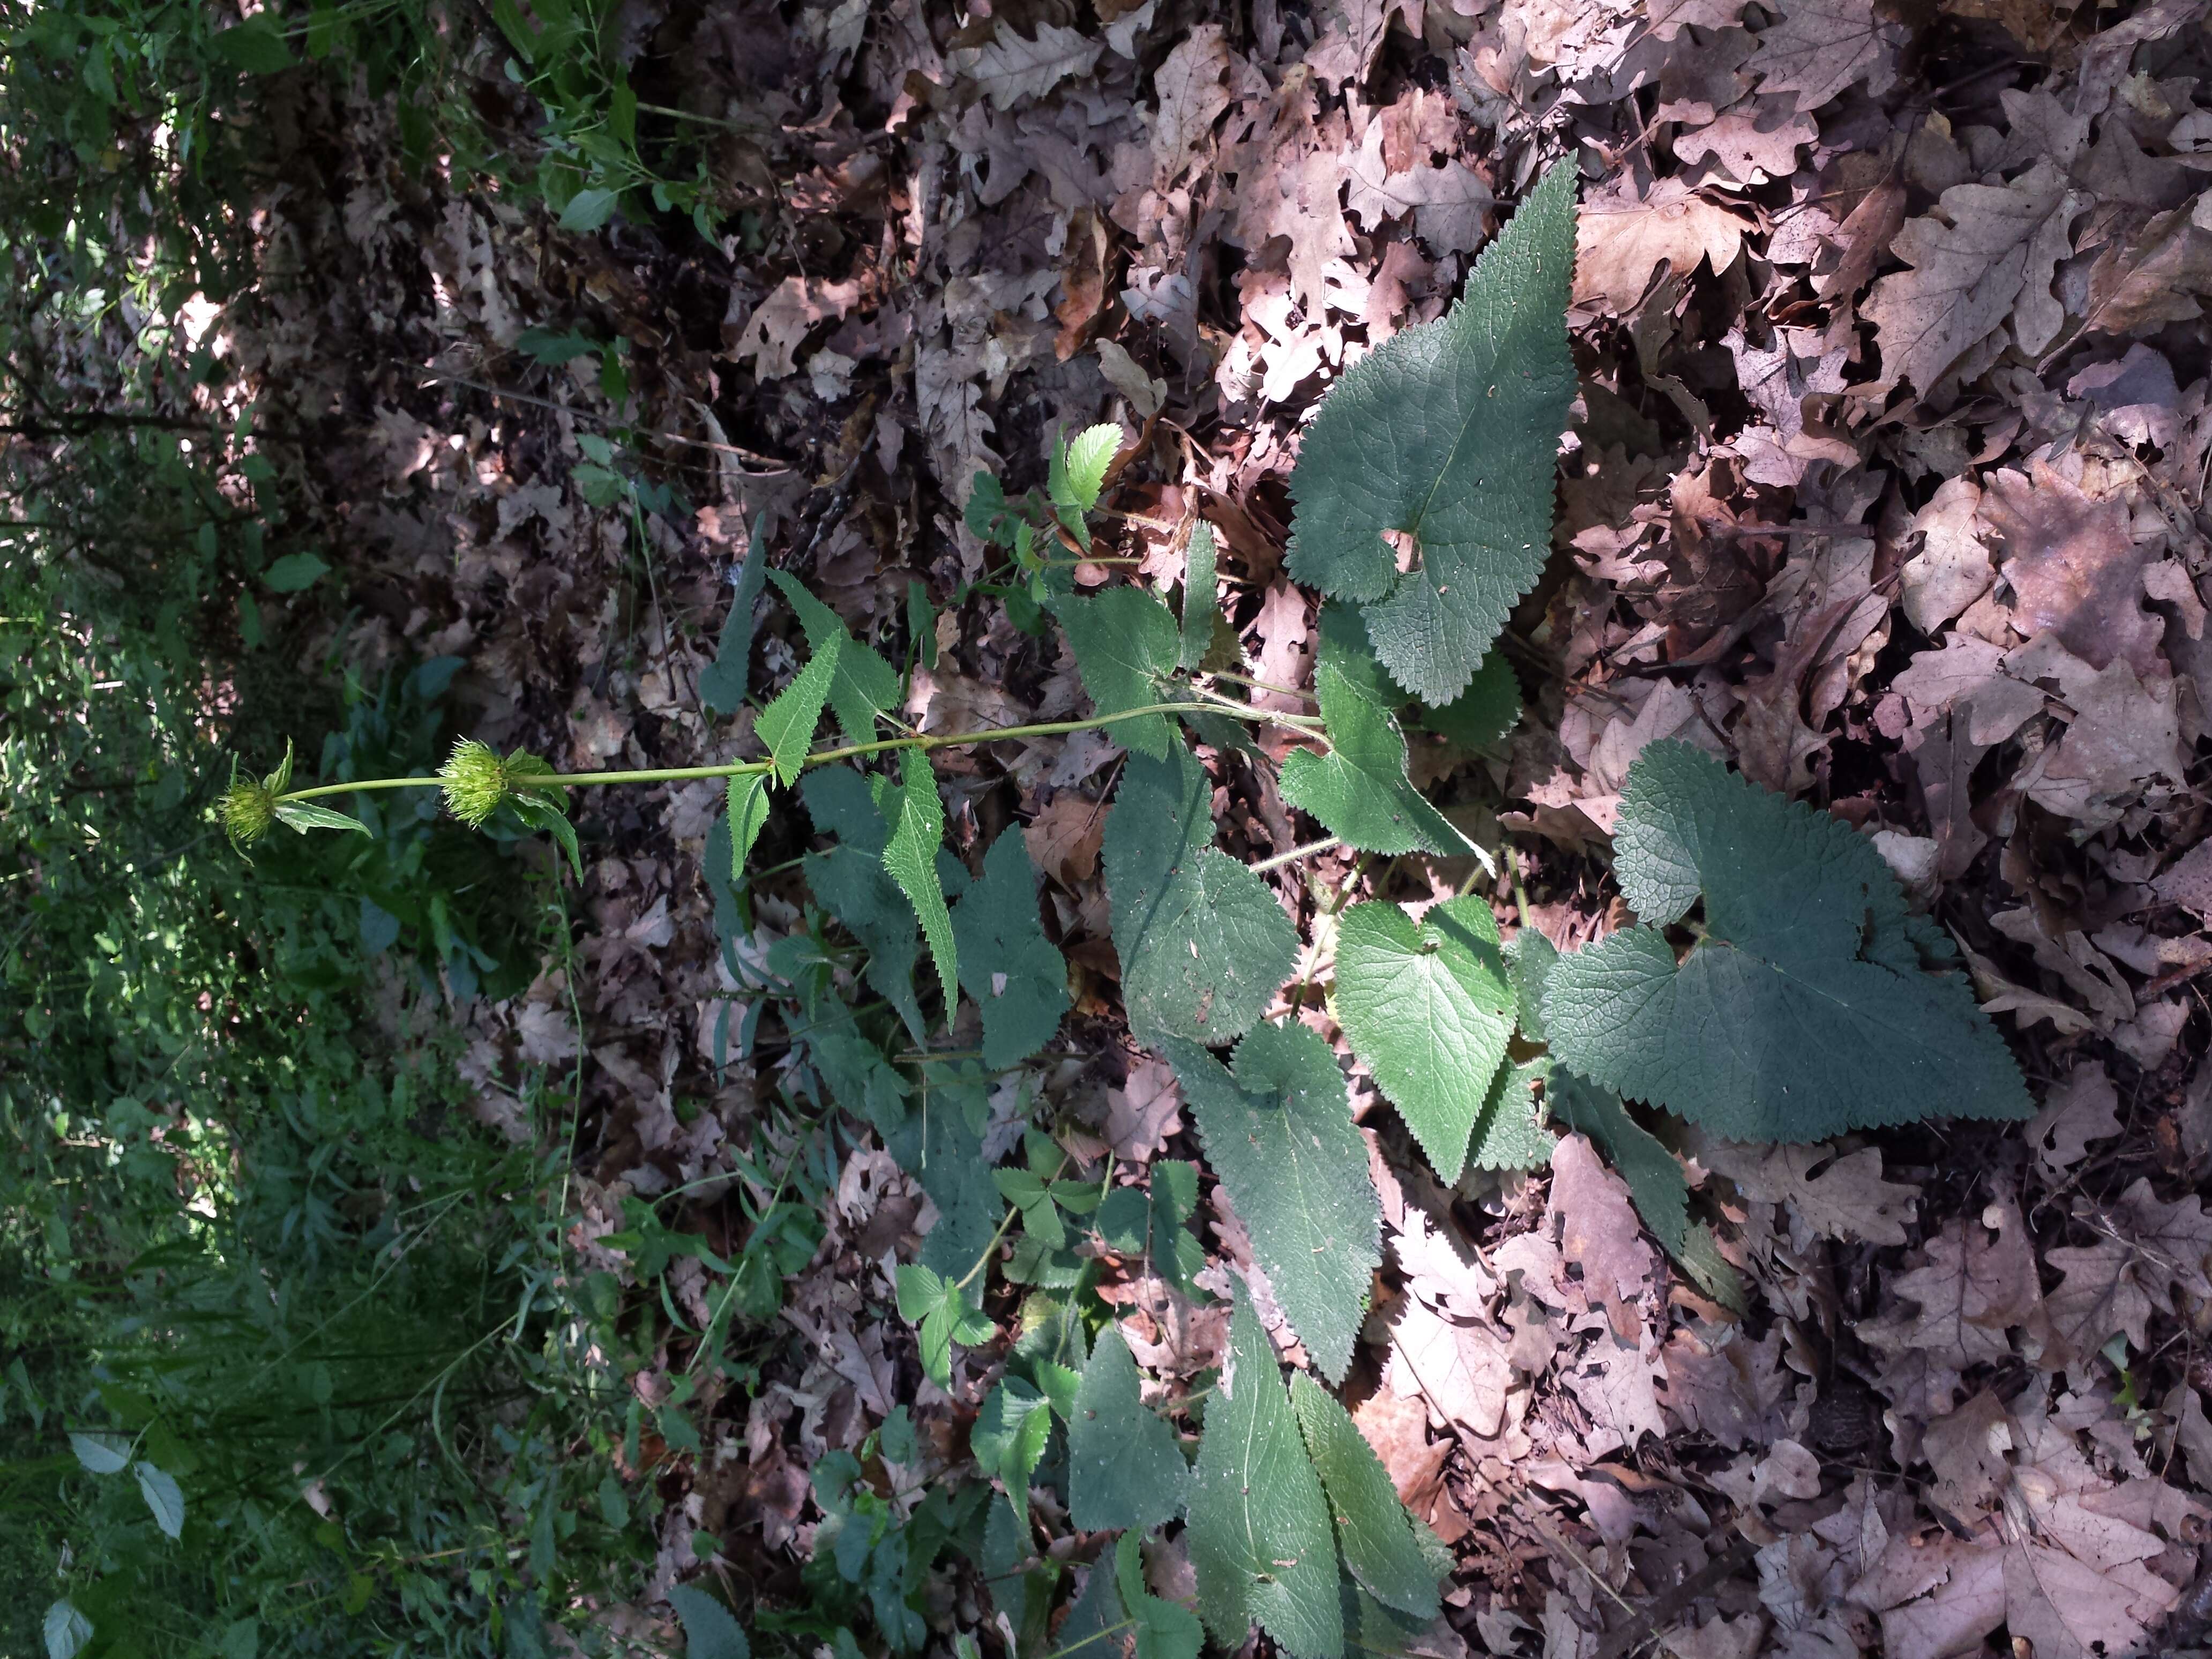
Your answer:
<point x="1816" y="48"/>
<point x="1145" y="1111"/>
<point x="1461" y="1370"/>
<point x="1844" y="1198"/>
<point x="1952" y="569"/>
<point x="2073" y="568"/>
<point x="2082" y="1106"/>
<point x="1620" y="238"/>
<point x="1597" y="1225"/>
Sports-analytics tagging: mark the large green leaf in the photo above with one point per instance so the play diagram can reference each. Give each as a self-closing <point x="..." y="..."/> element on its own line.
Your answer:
<point x="1359" y="789"/>
<point x="1808" y="1009"/>
<point x="1259" y="1536"/>
<point x="1201" y="596"/>
<point x="1448" y="432"/>
<point x="1007" y="963"/>
<point x="1125" y="645"/>
<point x="1124" y="1469"/>
<point x="1428" y="1007"/>
<point x="1204" y="944"/>
<point x="710" y="1629"/>
<point x="786" y="725"/>
<point x="850" y="878"/>
<point x="910" y="855"/>
<point x="865" y="684"/>
<point x="1279" y="1135"/>
<point x="1373" y="1529"/>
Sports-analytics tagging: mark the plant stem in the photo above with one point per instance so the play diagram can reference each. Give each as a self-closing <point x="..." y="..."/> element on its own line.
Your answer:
<point x="1295" y="853"/>
<point x="923" y="741"/>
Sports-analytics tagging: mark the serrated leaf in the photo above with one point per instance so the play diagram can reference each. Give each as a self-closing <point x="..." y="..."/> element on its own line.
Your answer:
<point x="850" y="878"/>
<point x="1278" y="1132"/>
<point x="1373" y="1530"/>
<point x="1126" y="646"/>
<point x="102" y="1453"/>
<point x="1806" y="1010"/>
<point x="163" y="1497"/>
<point x="257" y="45"/>
<point x="1124" y="1469"/>
<point x="1449" y="432"/>
<point x="1009" y="1437"/>
<point x="786" y="725"/>
<point x="1097" y="1627"/>
<point x="748" y="808"/>
<point x="865" y="684"/>
<point x="540" y="811"/>
<point x="1259" y="1536"/>
<point x="1481" y="715"/>
<point x="1204" y="946"/>
<point x="723" y="682"/>
<point x="1509" y="1135"/>
<point x="1081" y="472"/>
<point x="1201" y="596"/>
<point x="710" y="1631"/>
<point x="1653" y="1175"/>
<point x="1164" y="1629"/>
<point x="1176" y="1257"/>
<point x="943" y="1314"/>
<point x="1359" y="790"/>
<point x="1012" y="970"/>
<point x="67" y="1630"/>
<point x="1532" y="956"/>
<point x="1428" y="1007"/>
<point x="305" y="815"/>
<point x="910" y="855"/>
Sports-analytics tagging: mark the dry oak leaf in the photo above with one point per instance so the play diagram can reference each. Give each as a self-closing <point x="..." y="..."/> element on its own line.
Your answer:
<point x="771" y="335"/>
<point x="2156" y="277"/>
<point x="1752" y="142"/>
<point x="1448" y="204"/>
<point x="1978" y="1282"/>
<point x="2082" y="1106"/>
<point x="1952" y="569"/>
<point x="1145" y="1111"/>
<point x="1845" y="1198"/>
<point x="1011" y="69"/>
<point x="1622" y="238"/>
<point x="1193" y="89"/>
<point x="2188" y="882"/>
<point x="1598" y="1226"/>
<point x="1819" y="47"/>
<point x="1064" y="838"/>
<point x="2062" y="1566"/>
<point x="1461" y="1370"/>
<point x="1668" y="18"/>
<point x="1987" y="251"/>
<point x="2074" y="567"/>
<point x="2146" y="1249"/>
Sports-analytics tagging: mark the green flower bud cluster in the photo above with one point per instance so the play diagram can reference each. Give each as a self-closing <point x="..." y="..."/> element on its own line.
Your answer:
<point x="477" y="779"/>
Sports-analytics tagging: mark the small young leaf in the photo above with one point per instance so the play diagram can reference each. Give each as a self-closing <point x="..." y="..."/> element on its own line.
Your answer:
<point x="1165" y="1630"/>
<point x="1258" y="1537"/>
<point x="1807" y="1010"/>
<point x="539" y="813"/>
<point x="1202" y="597"/>
<point x="102" y="1453"/>
<point x="305" y="815"/>
<point x="164" y="1497"/>
<point x="748" y="806"/>
<point x="1279" y="1135"/>
<point x="1429" y="1008"/>
<point x="294" y="572"/>
<point x="67" y="1630"/>
<point x="786" y="725"/>
<point x="1372" y="1527"/>
<point x="1204" y="944"/>
<point x="1007" y="963"/>
<point x="709" y="1630"/>
<point x="1448" y="431"/>
<point x="1482" y="714"/>
<point x="1176" y="1257"/>
<point x="866" y="685"/>
<point x="1124" y="1469"/>
<point x="1009" y="1437"/>
<point x="910" y="855"/>
<point x="588" y="210"/>
<point x="944" y="1315"/>
<point x="921" y="623"/>
<point x="723" y="682"/>
<point x="1359" y="790"/>
<point x="1080" y="472"/>
<point x="1126" y="646"/>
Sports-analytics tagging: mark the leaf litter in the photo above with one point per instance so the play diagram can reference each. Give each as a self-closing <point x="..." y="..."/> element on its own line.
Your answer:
<point x="1884" y="480"/>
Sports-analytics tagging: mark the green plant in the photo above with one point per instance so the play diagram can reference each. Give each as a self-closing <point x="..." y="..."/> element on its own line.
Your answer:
<point x="1445" y="438"/>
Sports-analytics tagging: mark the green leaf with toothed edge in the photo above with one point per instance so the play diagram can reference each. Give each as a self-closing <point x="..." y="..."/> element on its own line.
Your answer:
<point x="303" y="814"/>
<point x="1359" y="790"/>
<point x="1201" y="596"/>
<point x="1808" y="1008"/>
<point x="1278" y="1132"/>
<point x="710" y="1629"/>
<point x="1373" y="1529"/>
<point x="1428" y="1007"/>
<point x="910" y="855"/>
<point x="786" y="725"/>
<point x="1203" y="942"/>
<point x="1259" y="1536"/>
<point x="1124" y="1469"/>
<point x="1009" y="1437"/>
<point x="748" y="808"/>
<point x="864" y="685"/>
<point x="1019" y="980"/>
<point x="1077" y="473"/>
<point x="1126" y="647"/>
<point x="1448" y="431"/>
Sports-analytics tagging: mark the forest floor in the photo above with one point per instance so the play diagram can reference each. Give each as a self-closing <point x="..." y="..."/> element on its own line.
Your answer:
<point x="1886" y="481"/>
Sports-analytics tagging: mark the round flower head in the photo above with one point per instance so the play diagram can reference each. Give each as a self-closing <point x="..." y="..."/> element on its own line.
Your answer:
<point x="476" y="782"/>
<point x="249" y="808"/>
